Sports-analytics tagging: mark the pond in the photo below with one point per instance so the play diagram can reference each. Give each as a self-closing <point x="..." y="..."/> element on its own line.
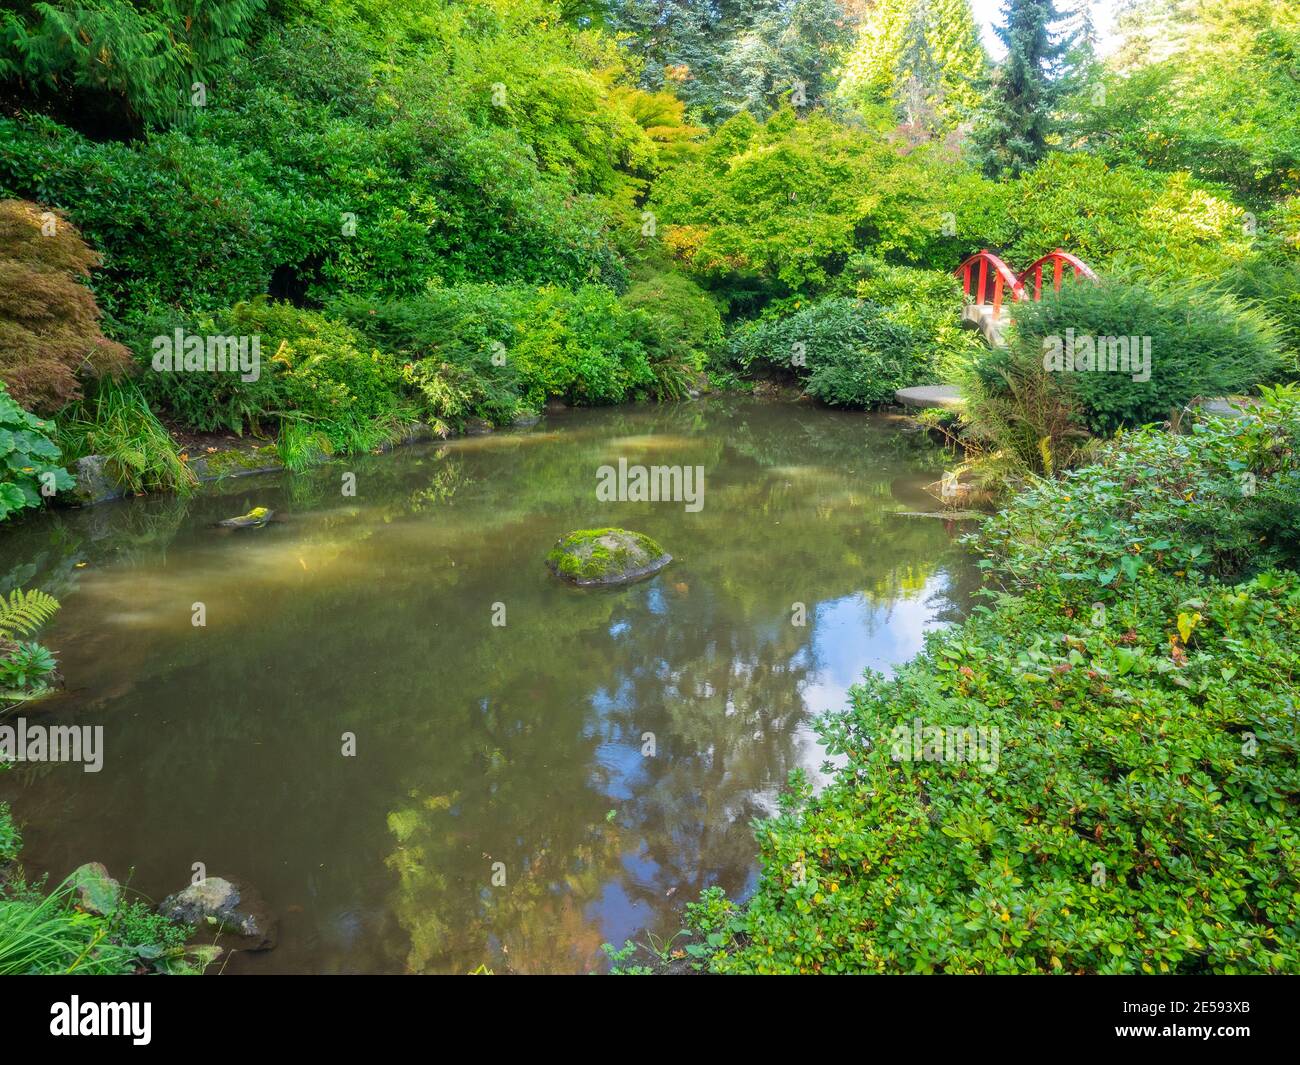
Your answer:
<point x="537" y="768"/>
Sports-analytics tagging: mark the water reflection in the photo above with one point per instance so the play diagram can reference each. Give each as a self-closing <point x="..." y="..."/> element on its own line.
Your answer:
<point x="512" y="751"/>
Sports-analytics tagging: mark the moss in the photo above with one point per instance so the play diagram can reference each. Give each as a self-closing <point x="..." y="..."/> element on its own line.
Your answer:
<point x="607" y="554"/>
<point x="255" y="518"/>
<point x="237" y="460"/>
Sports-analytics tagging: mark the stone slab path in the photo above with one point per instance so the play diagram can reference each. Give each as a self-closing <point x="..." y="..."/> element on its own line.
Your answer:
<point x="950" y="398"/>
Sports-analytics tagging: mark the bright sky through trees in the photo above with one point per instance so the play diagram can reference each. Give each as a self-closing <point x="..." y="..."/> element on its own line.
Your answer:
<point x="988" y="12"/>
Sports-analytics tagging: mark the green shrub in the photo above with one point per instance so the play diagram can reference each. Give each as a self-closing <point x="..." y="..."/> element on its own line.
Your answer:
<point x="25" y="668"/>
<point x="1274" y="286"/>
<point x="1138" y="816"/>
<point x="450" y="394"/>
<point x="314" y="374"/>
<point x="1182" y="343"/>
<point x="32" y="463"/>
<point x="1018" y="422"/>
<point x="1219" y="501"/>
<point x="324" y="376"/>
<point x="454" y="345"/>
<point x="579" y="345"/>
<point x="204" y="401"/>
<point x="678" y="324"/>
<point x="924" y="301"/>
<point x="1124" y="219"/>
<point x="847" y="352"/>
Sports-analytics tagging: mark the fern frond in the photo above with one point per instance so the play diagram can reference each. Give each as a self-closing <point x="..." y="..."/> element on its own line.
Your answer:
<point x="25" y="612"/>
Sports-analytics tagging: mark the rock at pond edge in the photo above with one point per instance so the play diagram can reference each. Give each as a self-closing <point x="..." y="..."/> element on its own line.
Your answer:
<point x="97" y="892"/>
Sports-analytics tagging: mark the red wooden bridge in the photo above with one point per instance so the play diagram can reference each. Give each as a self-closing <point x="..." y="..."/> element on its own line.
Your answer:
<point x="992" y="279"/>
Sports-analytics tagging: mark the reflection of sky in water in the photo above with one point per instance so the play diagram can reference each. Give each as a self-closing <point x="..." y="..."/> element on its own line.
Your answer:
<point x="846" y="637"/>
<point x="852" y="634"/>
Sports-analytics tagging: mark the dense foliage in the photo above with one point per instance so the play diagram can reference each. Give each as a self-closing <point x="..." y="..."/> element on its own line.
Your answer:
<point x="847" y="352"/>
<point x="1128" y="354"/>
<point x="1138" y="814"/>
<point x="452" y="212"/>
<point x="148" y="57"/>
<point x="1217" y="500"/>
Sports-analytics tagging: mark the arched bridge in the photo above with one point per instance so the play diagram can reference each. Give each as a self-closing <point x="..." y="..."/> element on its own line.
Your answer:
<point x="992" y="280"/>
<point x="987" y="281"/>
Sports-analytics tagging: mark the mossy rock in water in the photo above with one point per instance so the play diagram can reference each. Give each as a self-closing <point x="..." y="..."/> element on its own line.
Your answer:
<point x="254" y="519"/>
<point x="606" y="557"/>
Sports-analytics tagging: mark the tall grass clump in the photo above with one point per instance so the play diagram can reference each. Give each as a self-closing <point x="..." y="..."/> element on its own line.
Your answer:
<point x="117" y="423"/>
<point x="48" y="936"/>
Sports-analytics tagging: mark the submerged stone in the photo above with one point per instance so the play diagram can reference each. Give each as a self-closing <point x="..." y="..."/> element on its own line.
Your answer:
<point x="254" y="519"/>
<point x="606" y="557"/>
<point x="232" y="908"/>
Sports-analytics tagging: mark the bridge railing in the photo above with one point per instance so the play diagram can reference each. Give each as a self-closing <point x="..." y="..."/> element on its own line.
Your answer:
<point x="1059" y="259"/>
<point x="984" y="266"/>
<point x="985" y="269"/>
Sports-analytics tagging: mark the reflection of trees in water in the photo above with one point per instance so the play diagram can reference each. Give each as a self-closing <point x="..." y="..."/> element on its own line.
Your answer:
<point x="481" y="744"/>
<point x="716" y="672"/>
<point x="730" y="711"/>
<point x="723" y="715"/>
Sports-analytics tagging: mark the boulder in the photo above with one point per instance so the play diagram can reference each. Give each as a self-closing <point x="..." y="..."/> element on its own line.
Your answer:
<point x="604" y="557"/>
<point x="94" y="483"/>
<point x="97" y="892"/>
<point x="228" y="906"/>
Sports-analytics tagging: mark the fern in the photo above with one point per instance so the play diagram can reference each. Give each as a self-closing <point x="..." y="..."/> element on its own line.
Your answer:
<point x="25" y="612"/>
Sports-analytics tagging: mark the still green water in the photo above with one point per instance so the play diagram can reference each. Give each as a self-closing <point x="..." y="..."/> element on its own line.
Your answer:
<point x="518" y="749"/>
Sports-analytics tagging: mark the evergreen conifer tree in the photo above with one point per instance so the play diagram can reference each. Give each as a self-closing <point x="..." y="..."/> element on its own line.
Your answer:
<point x="1017" y="122"/>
